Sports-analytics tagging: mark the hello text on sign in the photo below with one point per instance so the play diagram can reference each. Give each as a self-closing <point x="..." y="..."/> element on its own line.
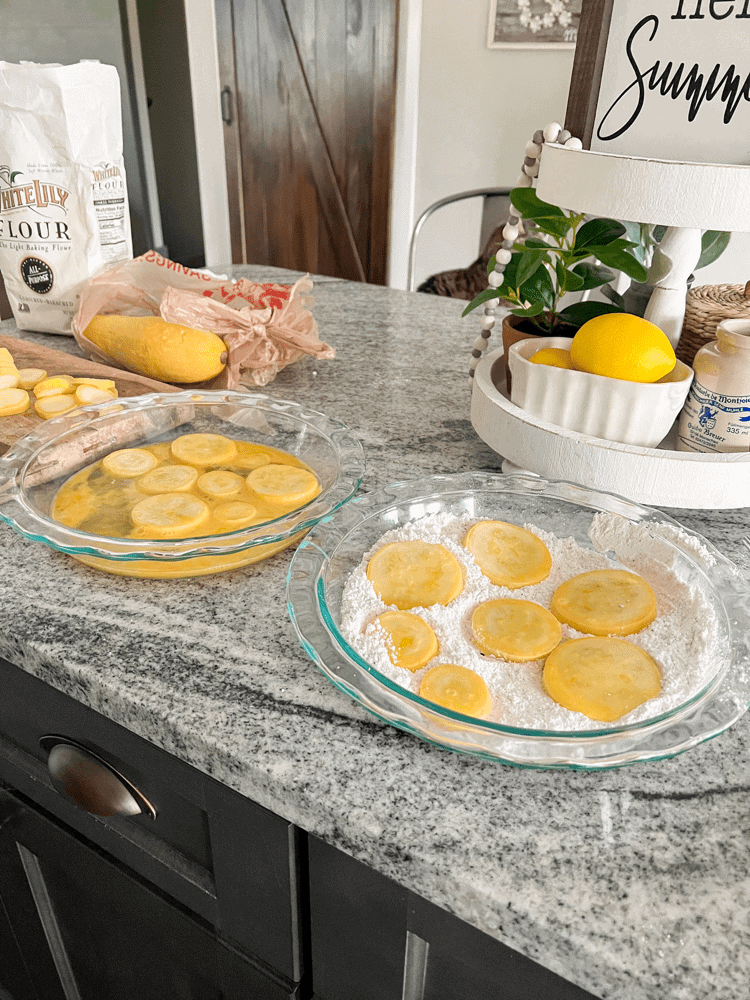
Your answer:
<point x="675" y="81"/>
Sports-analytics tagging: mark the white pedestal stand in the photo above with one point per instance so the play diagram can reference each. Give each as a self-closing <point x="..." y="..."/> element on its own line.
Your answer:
<point x="686" y="197"/>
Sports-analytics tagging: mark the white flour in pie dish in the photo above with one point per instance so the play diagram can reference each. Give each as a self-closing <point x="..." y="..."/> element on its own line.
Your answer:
<point x="684" y="639"/>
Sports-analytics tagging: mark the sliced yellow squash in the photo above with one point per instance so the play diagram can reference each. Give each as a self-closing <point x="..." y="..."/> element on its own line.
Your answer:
<point x="283" y="484"/>
<point x="55" y="386"/>
<point x="515" y="630"/>
<point x="13" y="401"/>
<point x="203" y="449"/>
<point x="127" y="463"/>
<point x="168" y="479"/>
<point x="220" y="483"/>
<point x="170" y="515"/>
<point x="604" y="678"/>
<point x="234" y="514"/>
<point x="54" y="406"/>
<point x="415" y="574"/>
<point x="9" y="380"/>
<point x="412" y="643"/>
<point x="29" y="377"/>
<point x="458" y="689"/>
<point x="605" y="602"/>
<point x="87" y="394"/>
<point x="510" y="556"/>
<point x="98" y="383"/>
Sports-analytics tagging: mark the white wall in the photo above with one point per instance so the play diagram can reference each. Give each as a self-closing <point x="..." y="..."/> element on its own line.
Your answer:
<point x="478" y="108"/>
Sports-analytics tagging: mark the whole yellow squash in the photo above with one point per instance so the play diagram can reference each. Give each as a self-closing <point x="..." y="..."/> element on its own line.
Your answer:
<point x="150" y="346"/>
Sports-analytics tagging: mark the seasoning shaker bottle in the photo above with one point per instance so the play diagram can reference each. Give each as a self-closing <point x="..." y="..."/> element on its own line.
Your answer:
<point x="716" y="414"/>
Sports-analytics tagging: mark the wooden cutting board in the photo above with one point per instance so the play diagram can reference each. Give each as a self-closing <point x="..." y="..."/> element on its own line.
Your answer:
<point x="28" y="355"/>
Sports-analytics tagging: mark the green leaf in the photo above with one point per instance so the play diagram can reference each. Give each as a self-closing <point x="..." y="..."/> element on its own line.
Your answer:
<point x="713" y="245"/>
<point x="572" y="282"/>
<point x="593" y="275"/>
<point x="614" y="297"/>
<point x="529" y="262"/>
<point x="658" y="233"/>
<point x="529" y="311"/>
<point x="598" y="232"/>
<point x="529" y="206"/>
<point x="16" y="173"/>
<point x="538" y="288"/>
<point x="554" y="226"/>
<point x="535" y="243"/>
<point x="488" y="293"/>
<point x="621" y="260"/>
<point x="580" y="312"/>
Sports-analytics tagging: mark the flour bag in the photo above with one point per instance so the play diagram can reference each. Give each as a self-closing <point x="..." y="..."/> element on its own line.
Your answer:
<point x="63" y="196"/>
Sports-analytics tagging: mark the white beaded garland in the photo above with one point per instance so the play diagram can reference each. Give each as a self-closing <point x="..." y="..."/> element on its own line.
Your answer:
<point x="553" y="132"/>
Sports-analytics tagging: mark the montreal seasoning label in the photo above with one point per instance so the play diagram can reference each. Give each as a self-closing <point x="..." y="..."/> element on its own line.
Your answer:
<point x="37" y="274"/>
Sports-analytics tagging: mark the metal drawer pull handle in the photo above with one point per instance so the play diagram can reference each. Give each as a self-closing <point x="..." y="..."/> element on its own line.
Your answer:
<point x="90" y="782"/>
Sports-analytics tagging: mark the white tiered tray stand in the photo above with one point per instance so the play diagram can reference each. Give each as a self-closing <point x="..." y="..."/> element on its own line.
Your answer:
<point x="686" y="197"/>
<point x="657" y="477"/>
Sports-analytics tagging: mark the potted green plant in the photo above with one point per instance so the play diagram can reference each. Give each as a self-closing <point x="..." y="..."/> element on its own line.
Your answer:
<point x="647" y="237"/>
<point x="569" y="255"/>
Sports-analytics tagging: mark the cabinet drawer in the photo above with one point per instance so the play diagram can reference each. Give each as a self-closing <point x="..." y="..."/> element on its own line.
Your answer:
<point x="230" y="861"/>
<point x="373" y="939"/>
<point x="86" y="927"/>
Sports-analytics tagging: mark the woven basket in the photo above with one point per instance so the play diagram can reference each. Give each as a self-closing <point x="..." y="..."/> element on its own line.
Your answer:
<point x="707" y="306"/>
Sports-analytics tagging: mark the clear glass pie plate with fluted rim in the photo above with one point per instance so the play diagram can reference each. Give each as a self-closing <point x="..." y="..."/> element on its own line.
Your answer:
<point x="34" y="468"/>
<point x="335" y="547"/>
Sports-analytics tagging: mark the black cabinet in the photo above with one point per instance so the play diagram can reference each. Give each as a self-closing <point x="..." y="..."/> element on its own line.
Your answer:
<point x="78" y="925"/>
<point x="372" y="939"/>
<point x="197" y="897"/>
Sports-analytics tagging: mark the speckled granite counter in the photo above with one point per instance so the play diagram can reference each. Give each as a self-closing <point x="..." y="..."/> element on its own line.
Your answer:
<point x="632" y="883"/>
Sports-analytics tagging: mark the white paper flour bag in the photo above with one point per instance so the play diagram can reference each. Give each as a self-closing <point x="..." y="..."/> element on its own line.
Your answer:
<point x="63" y="195"/>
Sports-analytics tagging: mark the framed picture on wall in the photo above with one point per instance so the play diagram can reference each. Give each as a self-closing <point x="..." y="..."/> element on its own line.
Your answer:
<point x="533" y="24"/>
<point x="668" y="80"/>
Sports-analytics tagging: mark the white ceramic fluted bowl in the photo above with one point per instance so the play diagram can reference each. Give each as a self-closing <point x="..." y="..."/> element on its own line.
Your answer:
<point x="639" y="413"/>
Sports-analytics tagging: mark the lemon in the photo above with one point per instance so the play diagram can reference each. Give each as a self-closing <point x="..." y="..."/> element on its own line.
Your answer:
<point x="620" y="345"/>
<point x="554" y="356"/>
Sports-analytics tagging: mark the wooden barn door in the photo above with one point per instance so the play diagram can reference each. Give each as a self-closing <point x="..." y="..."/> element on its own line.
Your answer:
<point x="308" y="95"/>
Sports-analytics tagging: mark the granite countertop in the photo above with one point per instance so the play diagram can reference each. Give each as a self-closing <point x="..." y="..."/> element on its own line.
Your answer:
<point x="632" y="883"/>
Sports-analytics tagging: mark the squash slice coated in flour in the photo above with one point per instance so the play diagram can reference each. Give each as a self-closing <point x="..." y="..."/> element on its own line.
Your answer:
<point x="601" y="677"/>
<point x="411" y="641"/>
<point x="458" y="689"/>
<point x="515" y="630"/>
<point x="605" y="602"/>
<point x="510" y="556"/>
<point x="415" y="574"/>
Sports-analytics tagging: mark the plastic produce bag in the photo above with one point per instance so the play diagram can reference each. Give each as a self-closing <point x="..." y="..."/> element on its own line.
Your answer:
<point x="264" y="326"/>
<point x="63" y="195"/>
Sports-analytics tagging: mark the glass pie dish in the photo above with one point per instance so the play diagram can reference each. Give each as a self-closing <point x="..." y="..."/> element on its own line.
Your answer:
<point x="34" y="468"/>
<point x="328" y="555"/>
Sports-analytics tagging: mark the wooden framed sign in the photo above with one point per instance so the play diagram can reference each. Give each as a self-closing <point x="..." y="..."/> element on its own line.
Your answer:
<point x="663" y="78"/>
